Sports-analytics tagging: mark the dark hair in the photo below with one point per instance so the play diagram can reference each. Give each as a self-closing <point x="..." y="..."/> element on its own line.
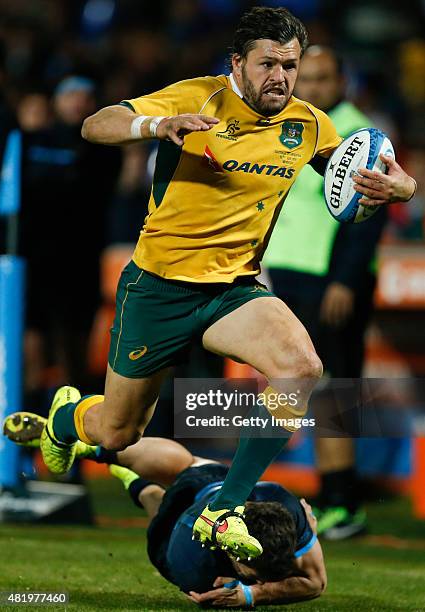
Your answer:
<point x="265" y="22"/>
<point x="274" y="527"/>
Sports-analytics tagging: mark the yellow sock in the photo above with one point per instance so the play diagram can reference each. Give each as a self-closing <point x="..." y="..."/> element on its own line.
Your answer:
<point x="80" y="410"/>
<point x="283" y="406"/>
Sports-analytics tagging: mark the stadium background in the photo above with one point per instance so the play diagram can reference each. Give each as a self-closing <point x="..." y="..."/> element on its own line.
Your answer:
<point x="129" y="48"/>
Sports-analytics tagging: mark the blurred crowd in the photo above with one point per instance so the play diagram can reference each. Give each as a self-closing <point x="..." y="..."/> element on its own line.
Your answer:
<point x="128" y="48"/>
<point x="60" y="60"/>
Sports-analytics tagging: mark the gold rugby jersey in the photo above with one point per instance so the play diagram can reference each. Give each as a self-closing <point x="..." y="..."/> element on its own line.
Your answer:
<point x="215" y="200"/>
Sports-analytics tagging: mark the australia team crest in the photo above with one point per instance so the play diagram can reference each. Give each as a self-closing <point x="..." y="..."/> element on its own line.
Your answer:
<point x="291" y="135"/>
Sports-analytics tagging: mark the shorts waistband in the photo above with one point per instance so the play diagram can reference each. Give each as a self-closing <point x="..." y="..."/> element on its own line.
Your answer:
<point x="165" y="284"/>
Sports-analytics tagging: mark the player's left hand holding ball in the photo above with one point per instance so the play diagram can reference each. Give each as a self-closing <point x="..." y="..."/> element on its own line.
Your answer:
<point x="230" y="596"/>
<point x="395" y="186"/>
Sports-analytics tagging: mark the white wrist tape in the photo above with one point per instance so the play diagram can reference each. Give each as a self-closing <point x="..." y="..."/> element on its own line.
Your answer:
<point x="155" y="121"/>
<point x="135" y="126"/>
<point x="137" y="122"/>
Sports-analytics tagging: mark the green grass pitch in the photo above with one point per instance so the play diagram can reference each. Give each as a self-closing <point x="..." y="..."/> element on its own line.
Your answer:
<point x="106" y="568"/>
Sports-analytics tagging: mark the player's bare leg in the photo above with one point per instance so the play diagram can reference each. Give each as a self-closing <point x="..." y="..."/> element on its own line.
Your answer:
<point x="127" y="407"/>
<point x="334" y="454"/>
<point x="265" y="334"/>
<point x="157" y="459"/>
<point x="151" y="498"/>
<point x="149" y="466"/>
<point x="150" y="495"/>
<point x="114" y="420"/>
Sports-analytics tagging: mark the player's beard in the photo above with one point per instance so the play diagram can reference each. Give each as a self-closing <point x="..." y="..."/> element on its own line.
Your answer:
<point x="258" y="99"/>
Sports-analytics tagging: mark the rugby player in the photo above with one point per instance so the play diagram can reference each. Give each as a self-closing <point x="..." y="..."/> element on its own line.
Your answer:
<point x="291" y="567"/>
<point x="230" y="147"/>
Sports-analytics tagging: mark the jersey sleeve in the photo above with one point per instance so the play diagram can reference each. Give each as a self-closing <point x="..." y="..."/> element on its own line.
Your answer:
<point x="187" y="96"/>
<point x="327" y="137"/>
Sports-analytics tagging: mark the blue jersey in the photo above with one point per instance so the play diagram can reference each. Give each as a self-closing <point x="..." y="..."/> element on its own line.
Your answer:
<point x="192" y="567"/>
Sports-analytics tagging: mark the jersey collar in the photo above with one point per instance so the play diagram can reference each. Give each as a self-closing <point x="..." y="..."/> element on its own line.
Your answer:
<point x="234" y="85"/>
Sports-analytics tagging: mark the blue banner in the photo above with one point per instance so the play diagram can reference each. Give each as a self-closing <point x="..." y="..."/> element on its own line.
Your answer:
<point x="12" y="280"/>
<point x="11" y="310"/>
<point x="10" y="179"/>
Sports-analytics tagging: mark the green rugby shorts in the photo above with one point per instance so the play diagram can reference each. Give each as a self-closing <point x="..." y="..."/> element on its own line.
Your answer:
<point x="157" y="320"/>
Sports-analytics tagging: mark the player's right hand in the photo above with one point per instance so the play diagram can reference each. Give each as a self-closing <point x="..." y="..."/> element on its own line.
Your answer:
<point x="230" y="596"/>
<point x="176" y="128"/>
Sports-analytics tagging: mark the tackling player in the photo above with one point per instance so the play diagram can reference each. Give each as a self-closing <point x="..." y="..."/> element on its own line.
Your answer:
<point x="291" y="567"/>
<point x="230" y="148"/>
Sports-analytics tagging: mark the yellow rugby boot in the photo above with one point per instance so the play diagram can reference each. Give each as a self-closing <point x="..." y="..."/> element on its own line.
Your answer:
<point x="226" y="529"/>
<point x="24" y="428"/>
<point x="58" y="456"/>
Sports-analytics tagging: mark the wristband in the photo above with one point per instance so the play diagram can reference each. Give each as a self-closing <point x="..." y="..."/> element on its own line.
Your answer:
<point x="249" y="600"/>
<point x="248" y="595"/>
<point x="231" y="585"/>
<point x="135" y="126"/>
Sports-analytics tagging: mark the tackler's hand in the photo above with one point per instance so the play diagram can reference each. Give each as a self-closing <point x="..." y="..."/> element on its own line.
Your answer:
<point x="228" y="593"/>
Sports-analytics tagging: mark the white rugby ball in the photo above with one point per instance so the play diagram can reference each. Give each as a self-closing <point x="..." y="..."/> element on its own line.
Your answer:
<point x="360" y="150"/>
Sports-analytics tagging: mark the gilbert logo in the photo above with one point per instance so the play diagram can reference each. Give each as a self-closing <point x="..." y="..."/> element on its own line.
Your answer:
<point x="138" y="353"/>
<point x="342" y="167"/>
<point x="230" y="133"/>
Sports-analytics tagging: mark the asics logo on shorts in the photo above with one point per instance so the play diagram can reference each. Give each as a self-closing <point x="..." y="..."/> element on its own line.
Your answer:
<point x="136" y="354"/>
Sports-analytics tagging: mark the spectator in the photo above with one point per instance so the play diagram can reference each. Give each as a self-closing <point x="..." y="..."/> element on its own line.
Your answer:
<point x="7" y="123"/>
<point x="67" y="187"/>
<point x="34" y="112"/>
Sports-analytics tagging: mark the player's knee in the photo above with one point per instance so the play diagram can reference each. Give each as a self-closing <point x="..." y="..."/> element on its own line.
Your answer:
<point x="118" y="439"/>
<point x="310" y="366"/>
<point x="303" y="364"/>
